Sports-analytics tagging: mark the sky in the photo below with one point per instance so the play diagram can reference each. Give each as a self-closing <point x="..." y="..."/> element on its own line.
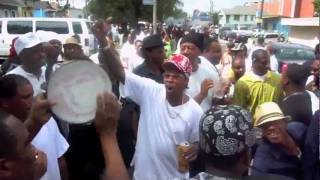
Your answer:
<point x="189" y="5"/>
<point x="204" y="5"/>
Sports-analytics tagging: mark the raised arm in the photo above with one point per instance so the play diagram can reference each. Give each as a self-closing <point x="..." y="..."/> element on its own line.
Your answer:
<point x="106" y="122"/>
<point x="108" y="56"/>
<point x="38" y="116"/>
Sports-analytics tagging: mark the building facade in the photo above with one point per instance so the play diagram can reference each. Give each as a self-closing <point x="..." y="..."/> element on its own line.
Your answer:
<point x="238" y="16"/>
<point x="10" y="8"/>
<point x="295" y="18"/>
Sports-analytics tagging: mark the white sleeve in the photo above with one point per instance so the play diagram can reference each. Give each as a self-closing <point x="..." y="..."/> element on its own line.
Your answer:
<point x="60" y="142"/>
<point x="194" y="133"/>
<point x="137" y="88"/>
<point x="314" y="102"/>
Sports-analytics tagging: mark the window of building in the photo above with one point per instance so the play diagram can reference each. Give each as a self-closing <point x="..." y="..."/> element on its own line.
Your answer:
<point x="19" y="27"/>
<point x="236" y="17"/>
<point x="0" y="27"/>
<point x="245" y="17"/>
<point x="6" y="14"/>
<point x="89" y="26"/>
<point x="59" y="27"/>
<point x="76" y="26"/>
<point x="13" y="14"/>
<point x="252" y="18"/>
<point x="227" y="18"/>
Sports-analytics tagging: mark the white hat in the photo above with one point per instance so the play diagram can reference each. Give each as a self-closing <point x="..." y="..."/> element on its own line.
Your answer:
<point x="27" y="40"/>
<point x="46" y="36"/>
<point x="268" y="112"/>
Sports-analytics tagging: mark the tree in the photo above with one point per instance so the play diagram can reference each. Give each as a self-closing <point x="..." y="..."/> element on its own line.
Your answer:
<point x="215" y="17"/>
<point x="316" y="4"/>
<point x="130" y="11"/>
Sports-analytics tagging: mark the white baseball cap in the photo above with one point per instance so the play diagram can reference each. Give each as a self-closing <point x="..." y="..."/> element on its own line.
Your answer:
<point x="46" y="36"/>
<point x="25" y="41"/>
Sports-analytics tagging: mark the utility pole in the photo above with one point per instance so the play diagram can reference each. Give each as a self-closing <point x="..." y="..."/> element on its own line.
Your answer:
<point x="87" y="14"/>
<point x="261" y="13"/>
<point x="211" y="6"/>
<point x="154" y="17"/>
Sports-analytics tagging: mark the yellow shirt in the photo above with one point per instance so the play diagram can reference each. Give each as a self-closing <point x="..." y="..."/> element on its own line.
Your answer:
<point x="251" y="90"/>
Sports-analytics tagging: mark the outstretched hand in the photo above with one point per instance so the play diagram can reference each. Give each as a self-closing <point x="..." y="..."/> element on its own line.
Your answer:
<point x="40" y="113"/>
<point x="100" y="30"/>
<point x="205" y="86"/>
<point x="108" y="113"/>
<point x="38" y="116"/>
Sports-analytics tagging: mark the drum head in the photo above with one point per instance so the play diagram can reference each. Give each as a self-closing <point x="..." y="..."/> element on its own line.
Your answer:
<point x="74" y="88"/>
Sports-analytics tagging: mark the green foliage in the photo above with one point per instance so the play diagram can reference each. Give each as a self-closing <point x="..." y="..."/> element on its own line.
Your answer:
<point x="316" y="4"/>
<point x="131" y="11"/>
<point x="215" y="17"/>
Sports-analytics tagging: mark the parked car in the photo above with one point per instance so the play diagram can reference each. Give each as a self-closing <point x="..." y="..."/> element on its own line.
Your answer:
<point x="272" y="36"/>
<point x="229" y="36"/>
<point x="236" y="37"/>
<point x="223" y="31"/>
<point x="244" y="30"/>
<point x="242" y="36"/>
<point x="65" y="27"/>
<point x="287" y="53"/>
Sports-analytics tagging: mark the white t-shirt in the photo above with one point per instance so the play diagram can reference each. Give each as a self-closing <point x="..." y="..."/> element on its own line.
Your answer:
<point x="249" y="60"/>
<point x="134" y="61"/>
<point x="161" y="128"/>
<point x="127" y="51"/>
<point x="53" y="144"/>
<point x="35" y="82"/>
<point x="314" y="102"/>
<point x="95" y="58"/>
<point x="205" y="71"/>
<point x="274" y="65"/>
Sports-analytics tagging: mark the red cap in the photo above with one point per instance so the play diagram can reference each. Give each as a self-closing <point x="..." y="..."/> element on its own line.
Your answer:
<point x="181" y="62"/>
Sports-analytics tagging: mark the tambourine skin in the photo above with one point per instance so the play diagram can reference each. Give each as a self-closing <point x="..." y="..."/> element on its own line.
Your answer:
<point x="74" y="88"/>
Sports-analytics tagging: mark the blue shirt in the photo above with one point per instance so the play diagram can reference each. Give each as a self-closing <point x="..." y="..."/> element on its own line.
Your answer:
<point x="270" y="158"/>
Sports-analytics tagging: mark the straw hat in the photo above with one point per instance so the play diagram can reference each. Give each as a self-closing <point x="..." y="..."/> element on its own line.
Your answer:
<point x="268" y="112"/>
<point x="72" y="40"/>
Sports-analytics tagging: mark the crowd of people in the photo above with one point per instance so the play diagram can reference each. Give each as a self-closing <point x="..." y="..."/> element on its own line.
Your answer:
<point x="235" y="113"/>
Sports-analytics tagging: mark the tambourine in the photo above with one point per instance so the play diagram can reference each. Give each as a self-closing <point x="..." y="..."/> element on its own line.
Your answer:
<point x="74" y="88"/>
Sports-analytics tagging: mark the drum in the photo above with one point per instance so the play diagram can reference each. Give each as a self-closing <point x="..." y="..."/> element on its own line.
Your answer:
<point x="74" y="88"/>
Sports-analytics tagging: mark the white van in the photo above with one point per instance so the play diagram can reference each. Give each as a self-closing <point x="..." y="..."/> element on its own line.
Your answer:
<point x="65" y="27"/>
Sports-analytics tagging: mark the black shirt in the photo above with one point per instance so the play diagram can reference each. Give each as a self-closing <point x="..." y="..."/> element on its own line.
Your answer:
<point x="298" y="106"/>
<point x="143" y="71"/>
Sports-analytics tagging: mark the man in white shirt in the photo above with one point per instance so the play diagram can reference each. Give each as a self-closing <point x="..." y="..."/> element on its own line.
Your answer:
<point x="136" y="58"/>
<point x="274" y="65"/>
<point x="31" y="52"/>
<point x="260" y="45"/>
<point x="128" y="50"/>
<point x="16" y="98"/>
<point x="203" y="75"/>
<point x="168" y="116"/>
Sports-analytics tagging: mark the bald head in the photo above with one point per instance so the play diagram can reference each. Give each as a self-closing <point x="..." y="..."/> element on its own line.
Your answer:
<point x="260" y="62"/>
